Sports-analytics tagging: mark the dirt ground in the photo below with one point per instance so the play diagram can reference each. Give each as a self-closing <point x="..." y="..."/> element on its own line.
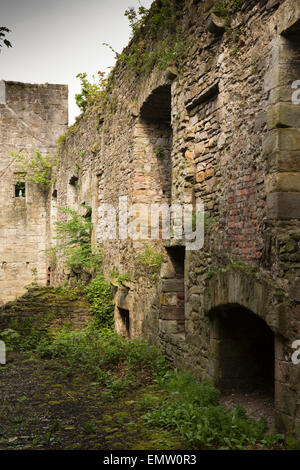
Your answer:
<point x="257" y="404"/>
<point x="42" y="409"/>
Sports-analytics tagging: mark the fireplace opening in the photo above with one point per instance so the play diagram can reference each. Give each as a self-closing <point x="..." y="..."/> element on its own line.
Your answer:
<point x="242" y="360"/>
<point x="243" y="350"/>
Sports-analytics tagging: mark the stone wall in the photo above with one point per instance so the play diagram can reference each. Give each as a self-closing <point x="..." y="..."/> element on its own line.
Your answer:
<point x="31" y="117"/>
<point x="217" y="127"/>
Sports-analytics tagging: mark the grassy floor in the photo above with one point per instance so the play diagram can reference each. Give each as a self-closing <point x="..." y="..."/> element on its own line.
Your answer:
<point x="90" y="389"/>
<point x="44" y="408"/>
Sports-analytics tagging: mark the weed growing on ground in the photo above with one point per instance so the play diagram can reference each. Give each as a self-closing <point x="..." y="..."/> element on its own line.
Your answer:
<point x="192" y="409"/>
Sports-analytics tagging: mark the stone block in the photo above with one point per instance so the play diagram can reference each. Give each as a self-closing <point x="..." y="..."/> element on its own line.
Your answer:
<point x="282" y="371"/>
<point x="280" y="74"/>
<point x="283" y="182"/>
<point x="283" y="422"/>
<point x="173" y="285"/>
<point x="281" y="94"/>
<point x="167" y="270"/>
<point x="200" y="176"/>
<point x="194" y="301"/>
<point x="295" y="292"/>
<point x="285" y="399"/>
<point x="194" y="339"/>
<point x="122" y="299"/>
<point x="168" y="326"/>
<point x="284" y="161"/>
<point x="283" y="205"/>
<point x="216" y="25"/>
<point x="203" y="96"/>
<point x="283" y="115"/>
<point x="199" y="149"/>
<point x="172" y="313"/>
<point x="281" y="139"/>
<point x="168" y="299"/>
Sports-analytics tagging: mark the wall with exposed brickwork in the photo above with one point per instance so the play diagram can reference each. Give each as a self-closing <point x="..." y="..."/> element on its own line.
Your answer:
<point x="228" y="136"/>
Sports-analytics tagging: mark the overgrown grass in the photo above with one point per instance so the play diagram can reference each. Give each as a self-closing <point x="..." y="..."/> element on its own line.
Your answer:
<point x="105" y="357"/>
<point x="174" y="401"/>
<point x="26" y="335"/>
<point x="99" y="354"/>
<point x="192" y="409"/>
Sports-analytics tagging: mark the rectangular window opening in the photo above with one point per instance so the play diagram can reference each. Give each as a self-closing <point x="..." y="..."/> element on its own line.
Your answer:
<point x="124" y="315"/>
<point x="20" y="189"/>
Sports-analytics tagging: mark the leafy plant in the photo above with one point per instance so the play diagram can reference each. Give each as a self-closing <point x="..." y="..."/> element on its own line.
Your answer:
<point x="151" y="258"/>
<point x="136" y="18"/>
<point x="37" y="169"/>
<point x="91" y="93"/>
<point x="119" y="278"/>
<point x="89" y="427"/>
<point x="3" y="41"/>
<point x="160" y="24"/>
<point x="115" y="362"/>
<point x="159" y="152"/>
<point x="236" y="4"/>
<point x="254" y="65"/>
<point x="75" y="236"/>
<point x="192" y="409"/>
<point x="26" y="335"/>
<point x="61" y="140"/>
<point x="99" y="293"/>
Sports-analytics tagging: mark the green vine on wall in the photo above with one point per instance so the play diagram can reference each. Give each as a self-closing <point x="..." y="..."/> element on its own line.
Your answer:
<point x="37" y="168"/>
<point x="74" y="235"/>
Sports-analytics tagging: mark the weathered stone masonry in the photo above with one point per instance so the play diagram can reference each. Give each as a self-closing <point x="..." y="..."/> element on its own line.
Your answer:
<point x="31" y="117"/>
<point x="228" y="136"/>
<point x="219" y="127"/>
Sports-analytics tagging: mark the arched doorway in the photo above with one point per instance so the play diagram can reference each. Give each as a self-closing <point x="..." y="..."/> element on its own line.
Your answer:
<point x="243" y="350"/>
<point x="242" y="359"/>
<point x="239" y="302"/>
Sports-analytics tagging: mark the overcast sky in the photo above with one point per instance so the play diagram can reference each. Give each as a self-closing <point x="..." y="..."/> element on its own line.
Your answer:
<point x="54" y="40"/>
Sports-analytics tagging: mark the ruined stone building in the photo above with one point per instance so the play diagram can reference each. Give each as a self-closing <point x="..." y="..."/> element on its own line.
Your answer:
<point x="31" y="117"/>
<point x="221" y="126"/>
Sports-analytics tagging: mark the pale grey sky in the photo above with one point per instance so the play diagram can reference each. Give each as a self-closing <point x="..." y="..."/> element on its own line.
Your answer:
<point x="53" y="40"/>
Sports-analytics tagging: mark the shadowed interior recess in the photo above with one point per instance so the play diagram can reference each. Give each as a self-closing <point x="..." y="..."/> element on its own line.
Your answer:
<point x="243" y="348"/>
